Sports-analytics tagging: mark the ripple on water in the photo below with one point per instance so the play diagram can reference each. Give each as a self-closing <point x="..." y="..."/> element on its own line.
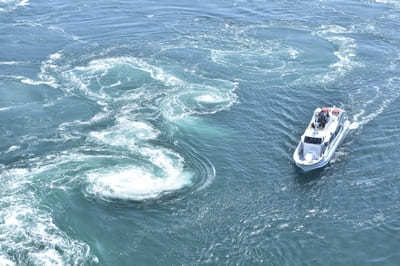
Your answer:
<point x="126" y="86"/>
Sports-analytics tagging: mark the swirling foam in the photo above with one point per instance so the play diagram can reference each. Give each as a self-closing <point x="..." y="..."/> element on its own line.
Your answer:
<point x="178" y="102"/>
<point x="158" y="171"/>
<point x="198" y="100"/>
<point x="126" y="133"/>
<point x="27" y="232"/>
<point x="140" y="183"/>
<point x="345" y="53"/>
<point x="123" y="86"/>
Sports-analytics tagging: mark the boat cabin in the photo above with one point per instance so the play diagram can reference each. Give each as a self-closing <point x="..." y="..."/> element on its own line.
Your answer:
<point x="321" y="131"/>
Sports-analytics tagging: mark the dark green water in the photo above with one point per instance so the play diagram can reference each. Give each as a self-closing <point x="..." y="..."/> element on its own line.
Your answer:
<point x="149" y="133"/>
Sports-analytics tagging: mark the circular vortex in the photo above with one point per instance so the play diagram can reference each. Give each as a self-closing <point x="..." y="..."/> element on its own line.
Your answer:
<point x="137" y="101"/>
<point x="140" y="96"/>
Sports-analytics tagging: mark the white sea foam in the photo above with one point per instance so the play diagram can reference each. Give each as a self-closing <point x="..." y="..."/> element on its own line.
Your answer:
<point x="161" y="171"/>
<point x="181" y="98"/>
<point x="116" y="84"/>
<point x="10" y="63"/>
<point x="156" y="72"/>
<point x="126" y="133"/>
<point x="23" y="3"/>
<point x="293" y="53"/>
<point x="11" y="5"/>
<point x="65" y="133"/>
<point x="255" y="54"/>
<point x="29" y="81"/>
<point x="361" y="119"/>
<point x="5" y="261"/>
<point x="87" y="79"/>
<point x="207" y="98"/>
<point x="13" y="148"/>
<point x="55" y="56"/>
<point x="24" y="224"/>
<point x="35" y="82"/>
<point x="354" y="125"/>
<point x="141" y="182"/>
<point x="376" y="105"/>
<point x="199" y="100"/>
<point x="346" y="52"/>
<point x="135" y="183"/>
<point x="27" y="230"/>
<point x="156" y="170"/>
<point x="48" y="66"/>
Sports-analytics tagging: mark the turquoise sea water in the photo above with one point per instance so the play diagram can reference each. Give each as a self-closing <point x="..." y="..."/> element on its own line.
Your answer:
<point x="162" y="132"/>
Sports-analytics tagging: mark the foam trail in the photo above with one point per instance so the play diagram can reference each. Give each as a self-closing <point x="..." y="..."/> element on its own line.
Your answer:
<point x="35" y="82"/>
<point x="354" y="125"/>
<point x="26" y="80"/>
<point x="346" y="52"/>
<point x="10" y="63"/>
<point x="61" y="30"/>
<point x="360" y="120"/>
<point x="383" y="98"/>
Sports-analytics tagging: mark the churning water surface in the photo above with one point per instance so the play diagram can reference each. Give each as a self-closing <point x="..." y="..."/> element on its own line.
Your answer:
<point x="154" y="133"/>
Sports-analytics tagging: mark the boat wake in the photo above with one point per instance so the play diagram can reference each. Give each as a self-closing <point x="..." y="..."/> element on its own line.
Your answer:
<point x="371" y="102"/>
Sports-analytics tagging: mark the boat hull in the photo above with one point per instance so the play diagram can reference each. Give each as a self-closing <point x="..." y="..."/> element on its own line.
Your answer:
<point x="309" y="167"/>
<point x="328" y="154"/>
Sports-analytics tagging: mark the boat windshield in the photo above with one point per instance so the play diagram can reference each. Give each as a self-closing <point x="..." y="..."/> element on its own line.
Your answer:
<point x="312" y="140"/>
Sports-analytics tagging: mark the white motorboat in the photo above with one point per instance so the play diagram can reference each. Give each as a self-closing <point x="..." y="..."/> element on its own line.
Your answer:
<point x="326" y="131"/>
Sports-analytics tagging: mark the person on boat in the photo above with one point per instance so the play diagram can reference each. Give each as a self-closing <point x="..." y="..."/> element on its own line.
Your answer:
<point x="323" y="117"/>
